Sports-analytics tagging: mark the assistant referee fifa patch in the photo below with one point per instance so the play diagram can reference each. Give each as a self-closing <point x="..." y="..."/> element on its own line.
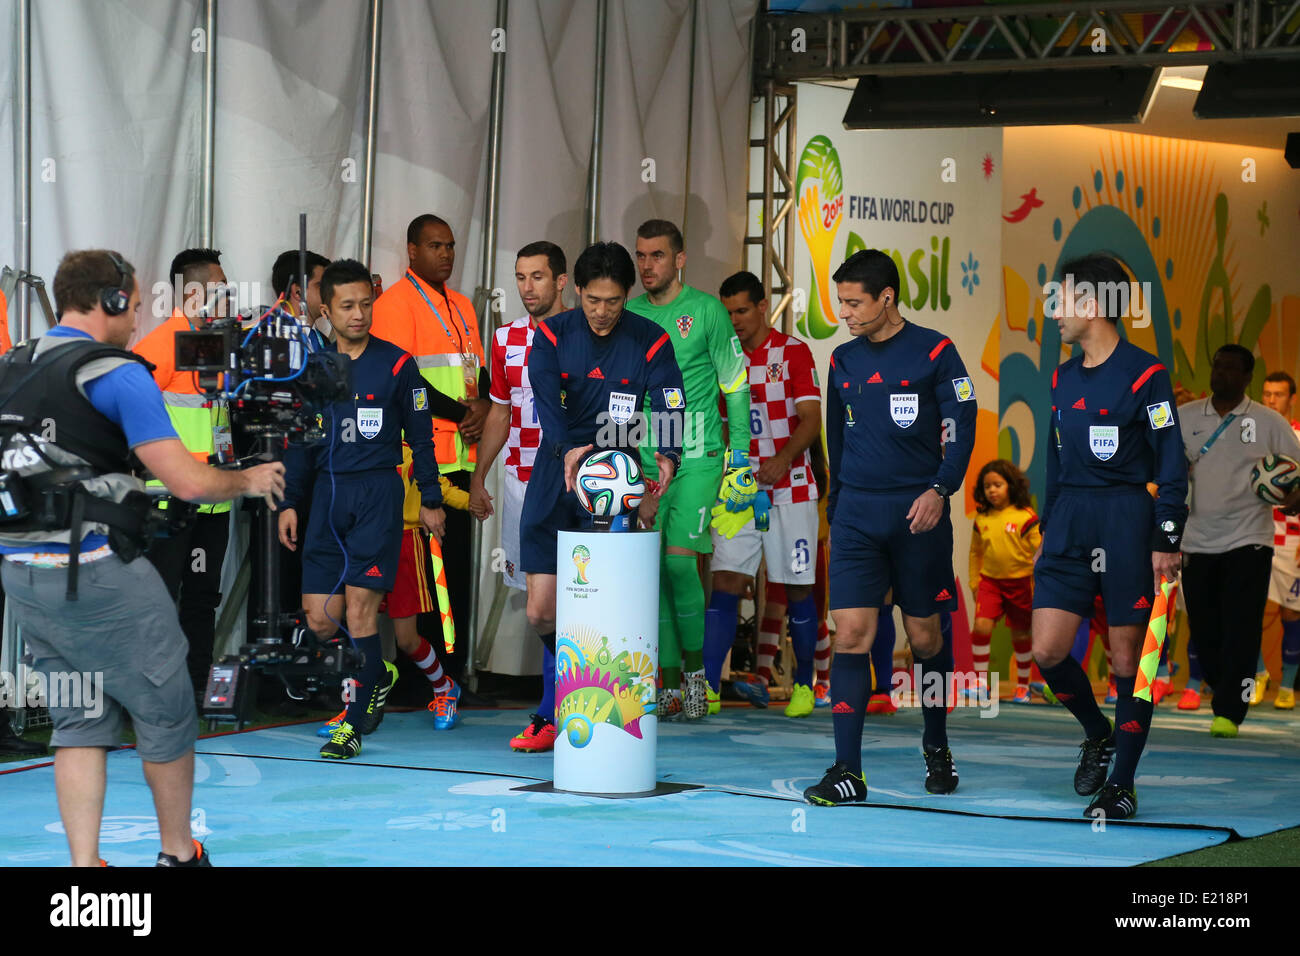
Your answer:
<point x="420" y="399"/>
<point x="1160" y="415"/>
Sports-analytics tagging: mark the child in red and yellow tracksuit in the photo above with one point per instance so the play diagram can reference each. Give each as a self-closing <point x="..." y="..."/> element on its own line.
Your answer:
<point x="1002" y="547"/>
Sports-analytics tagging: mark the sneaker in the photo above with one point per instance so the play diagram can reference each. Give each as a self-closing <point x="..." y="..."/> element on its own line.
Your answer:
<point x="695" y="696"/>
<point x="940" y="774"/>
<point x="1021" y="695"/>
<point x="374" y="715"/>
<point x="1160" y="689"/>
<point x="1261" y="685"/>
<point x="537" y="737"/>
<point x="839" y="786"/>
<point x="1285" y="699"/>
<point x="1094" y="761"/>
<point x="446" y="713"/>
<point x="978" y="693"/>
<point x="1042" y="690"/>
<point x="1222" y="727"/>
<point x="343" y="743"/>
<point x="801" y="701"/>
<point x="881" y="704"/>
<point x="715" y="702"/>
<point x="1112" y="692"/>
<point x="669" y="707"/>
<point x="1191" y="700"/>
<point x="327" y="729"/>
<point x="1113" y="803"/>
<point x="200" y="858"/>
<point x="755" y="692"/>
<point x="822" y="695"/>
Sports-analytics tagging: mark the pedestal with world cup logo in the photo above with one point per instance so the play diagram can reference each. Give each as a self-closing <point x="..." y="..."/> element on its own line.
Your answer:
<point x="606" y="662"/>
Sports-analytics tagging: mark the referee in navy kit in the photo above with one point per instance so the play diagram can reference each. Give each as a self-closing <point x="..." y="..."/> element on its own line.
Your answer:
<point x="354" y="534"/>
<point x="900" y="429"/>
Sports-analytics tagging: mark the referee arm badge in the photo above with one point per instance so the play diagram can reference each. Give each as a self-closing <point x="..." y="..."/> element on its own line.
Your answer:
<point x="1160" y="416"/>
<point x="964" y="388"/>
<point x="419" y="399"/>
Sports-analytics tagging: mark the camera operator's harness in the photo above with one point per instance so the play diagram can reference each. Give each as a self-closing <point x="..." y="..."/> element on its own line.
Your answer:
<point x="64" y="463"/>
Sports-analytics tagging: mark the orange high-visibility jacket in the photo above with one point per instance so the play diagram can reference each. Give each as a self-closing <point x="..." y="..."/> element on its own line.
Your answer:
<point x="441" y="333"/>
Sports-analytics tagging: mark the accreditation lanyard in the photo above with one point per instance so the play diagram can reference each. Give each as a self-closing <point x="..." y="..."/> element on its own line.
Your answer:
<point x="1215" y="436"/>
<point x="432" y="308"/>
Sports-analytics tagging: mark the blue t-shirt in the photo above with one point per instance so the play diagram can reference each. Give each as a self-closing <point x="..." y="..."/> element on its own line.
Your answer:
<point x="128" y="397"/>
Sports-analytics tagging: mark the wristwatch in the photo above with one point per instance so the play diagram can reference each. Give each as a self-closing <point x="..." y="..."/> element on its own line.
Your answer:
<point x="943" y="492"/>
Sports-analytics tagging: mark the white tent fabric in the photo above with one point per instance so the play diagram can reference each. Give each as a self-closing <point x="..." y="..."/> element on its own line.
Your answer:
<point x="8" y="128"/>
<point x="116" y="137"/>
<point x="117" y="106"/>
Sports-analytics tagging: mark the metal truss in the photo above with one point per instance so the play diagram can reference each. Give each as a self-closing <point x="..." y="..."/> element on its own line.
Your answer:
<point x="776" y="268"/>
<point x="980" y="39"/>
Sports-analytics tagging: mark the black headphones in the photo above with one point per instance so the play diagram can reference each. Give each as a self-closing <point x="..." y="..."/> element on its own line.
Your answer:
<point x="116" y="298"/>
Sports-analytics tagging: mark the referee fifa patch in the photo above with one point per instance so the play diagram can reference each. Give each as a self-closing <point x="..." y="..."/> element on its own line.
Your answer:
<point x="419" y="399"/>
<point x="1160" y="415"/>
<point x="964" y="389"/>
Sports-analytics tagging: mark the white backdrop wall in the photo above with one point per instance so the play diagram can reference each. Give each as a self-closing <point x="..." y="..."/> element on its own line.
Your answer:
<point x="117" y="105"/>
<point x="8" y="128"/>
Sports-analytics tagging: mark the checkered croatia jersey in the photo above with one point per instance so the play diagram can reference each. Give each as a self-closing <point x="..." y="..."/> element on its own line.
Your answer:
<point x="781" y="373"/>
<point x="1286" y="532"/>
<point x="510" y="386"/>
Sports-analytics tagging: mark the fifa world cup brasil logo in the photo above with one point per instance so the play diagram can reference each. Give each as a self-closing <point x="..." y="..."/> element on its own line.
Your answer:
<point x="819" y="187"/>
<point x="581" y="558"/>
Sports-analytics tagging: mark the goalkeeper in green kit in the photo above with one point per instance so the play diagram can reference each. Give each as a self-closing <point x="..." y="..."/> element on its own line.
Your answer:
<point x="715" y="484"/>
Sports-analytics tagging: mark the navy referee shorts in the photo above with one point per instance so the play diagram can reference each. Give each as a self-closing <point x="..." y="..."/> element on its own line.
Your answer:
<point x="1098" y="541"/>
<point x="548" y="510"/>
<point x="365" y="515"/>
<point x="873" y="550"/>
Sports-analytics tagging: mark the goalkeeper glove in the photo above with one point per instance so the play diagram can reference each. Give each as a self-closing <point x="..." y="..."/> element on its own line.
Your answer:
<point x="738" y="484"/>
<point x="728" y="523"/>
<point x="762" y="511"/>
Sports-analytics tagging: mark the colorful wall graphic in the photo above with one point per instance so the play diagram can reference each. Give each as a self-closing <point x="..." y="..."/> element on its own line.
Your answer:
<point x="1213" y="229"/>
<point x="1220" y="267"/>
<point x="933" y="200"/>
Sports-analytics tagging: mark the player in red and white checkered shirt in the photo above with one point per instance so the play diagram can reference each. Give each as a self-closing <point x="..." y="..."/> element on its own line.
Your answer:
<point x="785" y="420"/>
<point x="1284" y="588"/>
<point x="540" y="277"/>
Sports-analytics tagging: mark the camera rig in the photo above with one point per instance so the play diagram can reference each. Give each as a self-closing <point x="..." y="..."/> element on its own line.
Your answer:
<point x="263" y="366"/>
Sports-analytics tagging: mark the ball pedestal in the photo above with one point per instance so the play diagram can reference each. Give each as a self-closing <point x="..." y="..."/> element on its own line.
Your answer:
<point x="606" y="662"/>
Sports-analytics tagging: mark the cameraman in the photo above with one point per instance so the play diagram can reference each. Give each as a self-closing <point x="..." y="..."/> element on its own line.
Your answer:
<point x="96" y="405"/>
<point x="354" y="536"/>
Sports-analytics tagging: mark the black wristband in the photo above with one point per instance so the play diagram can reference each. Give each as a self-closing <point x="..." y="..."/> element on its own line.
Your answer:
<point x="1167" y="537"/>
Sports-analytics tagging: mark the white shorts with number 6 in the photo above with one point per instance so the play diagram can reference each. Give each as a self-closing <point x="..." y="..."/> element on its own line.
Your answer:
<point x="1284" y="588"/>
<point x="789" y="544"/>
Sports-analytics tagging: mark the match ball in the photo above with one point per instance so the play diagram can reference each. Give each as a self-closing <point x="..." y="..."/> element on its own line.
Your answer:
<point x="1272" y="478"/>
<point x="609" y="483"/>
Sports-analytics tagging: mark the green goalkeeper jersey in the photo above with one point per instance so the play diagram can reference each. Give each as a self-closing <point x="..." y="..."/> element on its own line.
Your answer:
<point x="710" y="358"/>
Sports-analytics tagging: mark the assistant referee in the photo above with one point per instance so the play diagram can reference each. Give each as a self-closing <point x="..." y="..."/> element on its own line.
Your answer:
<point x="354" y="537"/>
